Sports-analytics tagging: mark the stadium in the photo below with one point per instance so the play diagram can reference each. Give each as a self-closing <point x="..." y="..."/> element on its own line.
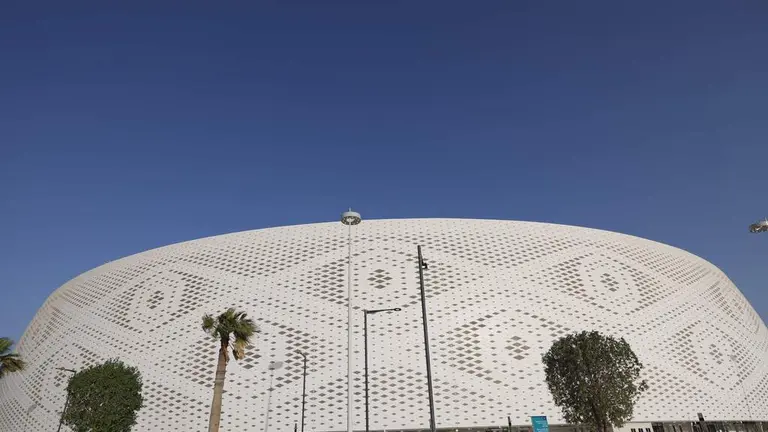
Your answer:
<point x="498" y="294"/>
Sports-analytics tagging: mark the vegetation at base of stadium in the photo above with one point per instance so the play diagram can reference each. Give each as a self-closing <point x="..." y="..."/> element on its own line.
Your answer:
<point x="103" y="398"/>
<point x="594" y="379"/>
<point x="233" y="330"/>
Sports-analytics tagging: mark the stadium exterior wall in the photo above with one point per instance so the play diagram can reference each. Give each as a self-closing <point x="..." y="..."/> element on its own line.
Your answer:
<point x="499" y="293"/>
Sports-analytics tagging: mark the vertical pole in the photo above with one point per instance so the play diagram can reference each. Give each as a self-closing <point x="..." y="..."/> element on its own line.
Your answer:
<point x="509" y="423"/>
<point x="365" y="338"/>
<point x="269" y="399"/>
<point x="432" y="426"/>
<point x="702" y="424"/>
<point x="304" y="392"/>
<point x="349" y="331"/>
<point x="66" y="405"/>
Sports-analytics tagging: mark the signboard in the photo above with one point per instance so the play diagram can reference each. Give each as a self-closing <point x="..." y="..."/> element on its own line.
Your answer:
<point x="540" y="423"/>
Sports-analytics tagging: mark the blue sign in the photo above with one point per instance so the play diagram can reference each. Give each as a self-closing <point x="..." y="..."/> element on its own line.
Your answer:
<point x="540" y="423"/>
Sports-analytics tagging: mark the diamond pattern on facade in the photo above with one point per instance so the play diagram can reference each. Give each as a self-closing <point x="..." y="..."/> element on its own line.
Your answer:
<point x="499" y="293"/>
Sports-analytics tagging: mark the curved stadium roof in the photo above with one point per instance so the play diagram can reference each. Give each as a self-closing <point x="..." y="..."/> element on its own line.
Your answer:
<point x="499" y="293"/>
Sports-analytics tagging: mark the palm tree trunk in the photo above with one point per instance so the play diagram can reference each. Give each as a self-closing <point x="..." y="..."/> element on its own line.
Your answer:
<point x="218" y="388"/>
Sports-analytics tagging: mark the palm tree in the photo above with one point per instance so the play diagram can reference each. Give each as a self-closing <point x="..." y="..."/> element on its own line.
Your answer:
<point x="9" y="362"/>
<point x="233" y="329"/>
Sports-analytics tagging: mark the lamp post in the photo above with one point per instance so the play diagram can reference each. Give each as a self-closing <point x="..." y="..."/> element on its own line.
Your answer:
<point x="349" y="218"/>
<point x="759" y="226"/>
<point x="66" y="401"/>
<point x="365" y="338"/>
<point x="303" y="390"/>
<point x="422" y="267"/>
<point x="273" y="366"/>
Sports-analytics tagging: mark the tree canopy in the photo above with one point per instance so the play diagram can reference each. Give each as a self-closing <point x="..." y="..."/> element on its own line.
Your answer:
<point x="229" y="325"/>
<point x="594" y="379"/>
<point x="9" y="362"/>
<point x="104" y="398"/>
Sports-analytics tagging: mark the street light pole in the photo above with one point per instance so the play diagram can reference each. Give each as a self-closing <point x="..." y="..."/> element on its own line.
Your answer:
<point x="365" y="339"/>
<point x="273" y="366"/>
<point x="66" y="401"/>
<point x="349" y="218"/>
<point x="303" y="391"/>
<point x="759" y="226"/>
<point x="422" y="266"/>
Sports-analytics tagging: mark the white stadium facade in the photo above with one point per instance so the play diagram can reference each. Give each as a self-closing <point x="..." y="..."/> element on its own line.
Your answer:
<point x="498" y="294"/>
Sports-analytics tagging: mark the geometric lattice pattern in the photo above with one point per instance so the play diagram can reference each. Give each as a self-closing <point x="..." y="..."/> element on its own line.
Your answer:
<point x="499" y="293"/>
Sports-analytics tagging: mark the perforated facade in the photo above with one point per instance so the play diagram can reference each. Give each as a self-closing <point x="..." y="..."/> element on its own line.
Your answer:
<point x="499" y="293"/>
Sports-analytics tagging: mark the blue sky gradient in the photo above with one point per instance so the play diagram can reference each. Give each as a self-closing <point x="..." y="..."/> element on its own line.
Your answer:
<point x="125" y="129"/>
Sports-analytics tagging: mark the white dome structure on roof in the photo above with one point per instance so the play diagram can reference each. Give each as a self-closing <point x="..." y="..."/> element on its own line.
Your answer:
<point x="499" y="293"/>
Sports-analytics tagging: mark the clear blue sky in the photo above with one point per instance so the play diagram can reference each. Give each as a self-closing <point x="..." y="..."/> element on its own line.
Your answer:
<point x="127" y="129"/>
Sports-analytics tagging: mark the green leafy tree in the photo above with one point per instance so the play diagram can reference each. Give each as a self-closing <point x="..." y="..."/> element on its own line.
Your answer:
<point x="104" y="398"/>
<point x="9" y="362"/>
<point x="594" y="379"/>
<point x="233" y="330"/>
